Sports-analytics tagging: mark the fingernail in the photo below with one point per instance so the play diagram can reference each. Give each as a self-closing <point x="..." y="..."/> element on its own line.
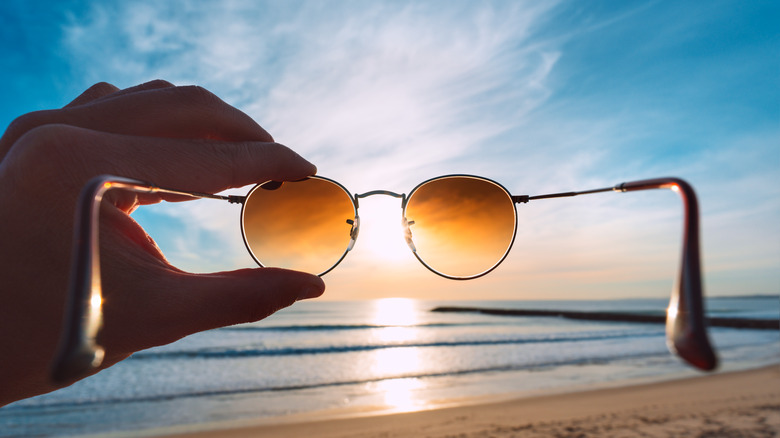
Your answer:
<point x="313" y="290"/>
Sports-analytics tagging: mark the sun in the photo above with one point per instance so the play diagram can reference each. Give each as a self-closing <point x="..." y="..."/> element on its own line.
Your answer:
<point x="381" y="232"/>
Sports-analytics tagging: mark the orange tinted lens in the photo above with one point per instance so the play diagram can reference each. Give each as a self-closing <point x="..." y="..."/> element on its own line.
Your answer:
<point x="303" y="225"/>
<point x="463" y="226"/>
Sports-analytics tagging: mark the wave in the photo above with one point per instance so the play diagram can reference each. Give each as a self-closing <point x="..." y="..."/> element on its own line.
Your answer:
<point x="260" y="351"/>
<point x="85" y="403"/>
<point x="338" y="327"/>
<point x="51" y="406"/>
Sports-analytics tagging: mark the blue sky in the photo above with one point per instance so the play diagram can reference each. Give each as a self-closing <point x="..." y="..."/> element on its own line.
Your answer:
<point x="541" y="96"/>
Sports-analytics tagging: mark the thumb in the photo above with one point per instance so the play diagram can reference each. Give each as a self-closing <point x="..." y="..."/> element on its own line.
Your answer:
<point x="184" y="303"/>
<point x="245" y="295"/>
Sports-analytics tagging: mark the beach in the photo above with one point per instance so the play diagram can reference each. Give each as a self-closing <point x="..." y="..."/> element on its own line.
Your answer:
<point x="733" y="404"/>
<point x="397" y="367"/>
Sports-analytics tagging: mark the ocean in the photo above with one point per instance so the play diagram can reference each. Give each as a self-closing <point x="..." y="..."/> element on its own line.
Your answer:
<point x="321" y="359"/>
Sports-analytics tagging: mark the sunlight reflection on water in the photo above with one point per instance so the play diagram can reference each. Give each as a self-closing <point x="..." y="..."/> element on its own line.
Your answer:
<point x="398" y="316"/>
<point x="396" y="312"/>
<point x="401" y="395"/>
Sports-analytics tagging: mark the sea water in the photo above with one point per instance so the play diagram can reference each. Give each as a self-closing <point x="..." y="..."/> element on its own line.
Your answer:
<point x="323" y="359"/>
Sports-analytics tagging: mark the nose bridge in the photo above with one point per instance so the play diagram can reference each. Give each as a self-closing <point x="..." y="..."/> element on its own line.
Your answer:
<point x="401" y="196"/>
<point x="404" y="222"/>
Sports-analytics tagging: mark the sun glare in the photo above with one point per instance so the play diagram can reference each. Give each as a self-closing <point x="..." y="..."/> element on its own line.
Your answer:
<point x="381" y="232"/>
<point x="395" y="312"/>
<point x="95" y="301"/>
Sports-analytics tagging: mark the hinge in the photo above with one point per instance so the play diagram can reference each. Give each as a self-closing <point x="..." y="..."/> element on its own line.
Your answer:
<point x="520" y="199"/>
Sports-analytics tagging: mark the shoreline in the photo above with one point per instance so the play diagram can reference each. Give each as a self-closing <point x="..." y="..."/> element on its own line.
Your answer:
<point x="742" y="401"/>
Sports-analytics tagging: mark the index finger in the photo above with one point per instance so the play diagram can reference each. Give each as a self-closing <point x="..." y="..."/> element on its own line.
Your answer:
<point x="101" y="89"/>
<point x="150" y="111"/>
<point x="72" y="155"/>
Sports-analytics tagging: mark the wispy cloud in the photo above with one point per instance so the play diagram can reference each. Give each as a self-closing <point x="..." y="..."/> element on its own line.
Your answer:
<point x="375" y="94"/>
<point x="393" y="91"/>
<point x="540" y="96"/>
<point x="366" y="90"/>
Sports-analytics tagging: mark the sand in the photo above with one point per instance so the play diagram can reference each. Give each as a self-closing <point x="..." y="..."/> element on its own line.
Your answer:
<point x="734" y="404"/>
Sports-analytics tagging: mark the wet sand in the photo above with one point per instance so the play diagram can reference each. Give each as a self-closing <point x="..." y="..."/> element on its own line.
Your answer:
<point x="735" y="404"/>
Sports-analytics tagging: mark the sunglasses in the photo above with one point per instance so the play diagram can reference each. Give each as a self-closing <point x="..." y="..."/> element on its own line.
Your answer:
<point x="458" y="226"/>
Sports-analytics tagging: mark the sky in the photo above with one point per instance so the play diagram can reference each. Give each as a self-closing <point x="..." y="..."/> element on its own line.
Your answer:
<point x="541" y="96"/>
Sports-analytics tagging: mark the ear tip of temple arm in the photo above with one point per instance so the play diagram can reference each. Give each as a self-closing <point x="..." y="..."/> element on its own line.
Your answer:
<point x="76" y="362"/>
<point x="695" y="348"/>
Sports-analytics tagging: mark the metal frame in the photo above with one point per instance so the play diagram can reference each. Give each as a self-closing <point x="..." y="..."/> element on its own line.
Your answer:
<point x="79" y="355"/>
<point x="686" y="328"/>
<point x="353" y="233"/>
<point x="458" y="175"/>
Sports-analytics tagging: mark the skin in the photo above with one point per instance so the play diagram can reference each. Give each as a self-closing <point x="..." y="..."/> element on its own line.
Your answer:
<point x="178" y="137"/>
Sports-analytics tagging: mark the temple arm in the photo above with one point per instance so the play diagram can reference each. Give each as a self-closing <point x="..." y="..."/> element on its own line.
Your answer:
<point x="78" y="354"/>
<point x="686" y="330"/>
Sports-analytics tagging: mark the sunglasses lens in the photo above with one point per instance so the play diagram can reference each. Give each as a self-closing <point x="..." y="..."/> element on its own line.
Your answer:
<point x="462" y="227"/>
<point x="303" y="225"/>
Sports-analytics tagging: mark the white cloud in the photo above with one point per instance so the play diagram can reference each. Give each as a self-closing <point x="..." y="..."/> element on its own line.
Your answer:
<point x="367" y="91"/>
<point x="375" y="94"/>
<point x="384" y="95"/>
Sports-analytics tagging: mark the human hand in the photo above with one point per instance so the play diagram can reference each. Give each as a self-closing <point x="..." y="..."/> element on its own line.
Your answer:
<point x="178" y="137"/>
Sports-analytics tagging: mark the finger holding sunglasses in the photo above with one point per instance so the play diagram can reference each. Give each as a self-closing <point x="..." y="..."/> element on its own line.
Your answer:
<point x="92" y="93"/>
<point x="154" y="109"/>
<point x="147" y="301"/>
<point x="103" y="90"/>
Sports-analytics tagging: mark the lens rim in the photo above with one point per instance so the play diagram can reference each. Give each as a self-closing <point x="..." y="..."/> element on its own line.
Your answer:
<point x="467" y="176"/>
<point x="353" y="235"/>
